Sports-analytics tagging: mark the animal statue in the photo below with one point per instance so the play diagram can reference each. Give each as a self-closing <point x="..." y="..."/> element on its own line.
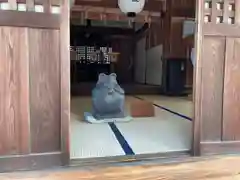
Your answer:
<point x="108" y="98"/>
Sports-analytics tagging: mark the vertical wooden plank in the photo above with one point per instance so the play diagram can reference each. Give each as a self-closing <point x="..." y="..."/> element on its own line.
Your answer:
<point x="214" y="11"/>
<point x="14" y="91"/>
<point x="47" y="6"/>
<point x="212" y="88"/>
<point x="176" y="42"/>
<point x="231" y="105"/>
<point x="65" y="79"/>
<point x="237" y="12"/>
<point x="12" y="4"/>
<point x="44" y="90"/>
<point x="167" y="28"/>
<point x="166" y="42"/>
<point x="30" y="5"/>
<point x="225" y="11"/>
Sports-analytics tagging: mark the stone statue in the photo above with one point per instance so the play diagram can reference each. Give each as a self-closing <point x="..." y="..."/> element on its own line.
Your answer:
<point x="108" y="98"/>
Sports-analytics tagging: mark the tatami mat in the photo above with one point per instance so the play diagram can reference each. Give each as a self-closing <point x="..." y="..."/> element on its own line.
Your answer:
<point x="163" y="133"/>
<point x="93" y="140"/>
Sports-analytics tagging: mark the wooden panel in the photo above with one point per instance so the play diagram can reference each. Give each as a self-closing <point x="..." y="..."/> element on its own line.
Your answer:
<point x="183" y="8"/>
<point x="30" y="5"/>
<point x="12" y="4"/>
<point x="30" y="162"/>
<point x="177" y="46"/>
<point x="212" y="88"/>
<point x="29" y="19"/>
<point x="231" y="105"/>
<point x="210" y="29"/>
<point x="38" y="2"/>
<point x="181" y="12"/>
<point x="47" y="6"/>
<point x="14" y="99"/>
<point x="183" y="4"/>
<point x="44" y="90"/>
<point x="227" y="147"/>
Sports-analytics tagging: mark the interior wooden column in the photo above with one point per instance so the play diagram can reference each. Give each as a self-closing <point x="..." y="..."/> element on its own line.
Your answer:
<point x="166" y="41"/>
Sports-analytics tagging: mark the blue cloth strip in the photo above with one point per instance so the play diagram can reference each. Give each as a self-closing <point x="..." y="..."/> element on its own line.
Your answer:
<point x="122" y="141"/>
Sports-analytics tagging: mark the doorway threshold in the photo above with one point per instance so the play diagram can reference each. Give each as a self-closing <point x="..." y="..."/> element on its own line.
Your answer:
<point x="158" y="158"/>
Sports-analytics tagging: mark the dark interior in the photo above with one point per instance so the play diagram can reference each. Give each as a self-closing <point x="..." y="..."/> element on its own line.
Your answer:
<point x="86" y="39"/>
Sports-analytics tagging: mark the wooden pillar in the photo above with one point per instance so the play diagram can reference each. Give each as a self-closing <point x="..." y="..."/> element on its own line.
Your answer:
<point x="217" y="87"/>
<point x="65" y="79"/>
<point x="166" y="42"/>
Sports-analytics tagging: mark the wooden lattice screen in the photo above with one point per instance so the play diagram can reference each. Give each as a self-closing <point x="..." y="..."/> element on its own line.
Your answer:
<point x="30" y="13"/>
<point x="31" y="5"/>
<point x="217" y="11"/>
<point x="221" y="17"/>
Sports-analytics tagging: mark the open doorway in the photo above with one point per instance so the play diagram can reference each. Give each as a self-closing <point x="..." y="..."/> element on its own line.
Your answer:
<point x="134" y="52"/>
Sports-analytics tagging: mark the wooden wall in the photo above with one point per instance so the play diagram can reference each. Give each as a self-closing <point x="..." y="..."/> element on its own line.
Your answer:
<point x="155" y="34"/>
<point x="178" y="47"/>
<point x="31" y="88"/>
<point x="173" y="43"/>
<point x="217" y="108"/>
<point x="124" y="66"/>
<point x="183" y="8"/>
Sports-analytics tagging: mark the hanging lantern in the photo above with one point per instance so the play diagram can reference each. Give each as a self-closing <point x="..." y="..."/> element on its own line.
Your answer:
<point x="71" y="3"/>
<point x="131" y="7"/>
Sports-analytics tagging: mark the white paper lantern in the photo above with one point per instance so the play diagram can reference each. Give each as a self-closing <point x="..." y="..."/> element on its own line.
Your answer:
<point x="131" y="6"/>
<point x="71" y="3"/>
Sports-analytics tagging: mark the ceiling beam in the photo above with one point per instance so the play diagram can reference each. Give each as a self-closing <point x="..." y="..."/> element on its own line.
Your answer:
<point x="80" y="8"/>
<point x="78" y="30"/>
<point x="114" y="14"/>
<point x="150" y="5"/>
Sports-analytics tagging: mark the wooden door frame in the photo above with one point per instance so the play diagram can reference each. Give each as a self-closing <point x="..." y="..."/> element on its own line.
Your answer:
<point x="197" y="80"/>
<point x="65" y="80"/>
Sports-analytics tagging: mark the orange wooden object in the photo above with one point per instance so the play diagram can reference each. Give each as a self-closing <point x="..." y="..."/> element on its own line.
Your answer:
<point x="141" y="108"/>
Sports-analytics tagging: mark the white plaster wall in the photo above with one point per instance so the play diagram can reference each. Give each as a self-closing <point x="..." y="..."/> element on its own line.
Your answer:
<point x="154" y="65"/>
